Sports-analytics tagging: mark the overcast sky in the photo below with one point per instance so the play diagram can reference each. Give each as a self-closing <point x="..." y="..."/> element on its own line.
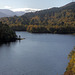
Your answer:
<point x="21" y="5"/>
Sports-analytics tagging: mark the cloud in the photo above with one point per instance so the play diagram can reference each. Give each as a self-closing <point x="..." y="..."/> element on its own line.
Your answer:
<point x="7" y="7"/>
<point x="25" y="9"/>
<point x="22" y="9"/>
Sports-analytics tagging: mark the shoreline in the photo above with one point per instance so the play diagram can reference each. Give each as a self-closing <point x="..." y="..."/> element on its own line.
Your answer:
<point x="47" y="33"/>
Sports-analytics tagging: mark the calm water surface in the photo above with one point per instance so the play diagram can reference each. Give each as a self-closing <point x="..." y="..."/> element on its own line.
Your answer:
<point x="38" y="54"/>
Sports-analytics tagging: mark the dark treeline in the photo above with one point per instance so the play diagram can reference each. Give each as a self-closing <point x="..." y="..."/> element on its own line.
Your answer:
<point x="6" y="33"/>
<point x="46" y="29"/>
<point x="19" y="28"/>
<point x="63" y="18"/>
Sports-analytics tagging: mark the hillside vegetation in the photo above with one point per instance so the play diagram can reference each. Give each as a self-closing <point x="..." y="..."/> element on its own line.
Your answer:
<point x="6" y="33"/>
<point x="54" y="20"/>
<point x="70" y="70"/>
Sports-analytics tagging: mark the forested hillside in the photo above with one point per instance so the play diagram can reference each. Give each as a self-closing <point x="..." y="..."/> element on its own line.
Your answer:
<point x="70" y="70"/>
<point x="56" y="18"/>
<point x="6" y="33"/>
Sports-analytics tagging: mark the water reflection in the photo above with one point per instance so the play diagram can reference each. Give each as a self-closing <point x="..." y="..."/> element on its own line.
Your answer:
<point x="8" y="44"/>
<point x="19" y="41"/>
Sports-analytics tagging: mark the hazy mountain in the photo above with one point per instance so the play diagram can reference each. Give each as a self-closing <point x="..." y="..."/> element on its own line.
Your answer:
<point x="9" y="13"/>
<point x="3" y="15"/>
<point x="19" y="13"/>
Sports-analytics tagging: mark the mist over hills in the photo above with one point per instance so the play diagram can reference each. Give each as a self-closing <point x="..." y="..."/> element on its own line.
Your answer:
<point x="19" y="13"/>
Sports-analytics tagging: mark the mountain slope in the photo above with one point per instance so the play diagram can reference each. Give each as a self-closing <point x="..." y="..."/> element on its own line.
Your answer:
<point x="3" y="15"/>
<point x="19" y="13"/>
<point x="55" y="16"/>
<point x="69" y="6"/>
<point x="7" y="12"/>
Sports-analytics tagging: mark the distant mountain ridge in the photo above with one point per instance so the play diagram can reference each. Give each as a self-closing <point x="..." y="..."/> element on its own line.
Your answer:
<point x="49" y="11"/>
<point x="9" y="13"/>
<point x="3" y="15"/>
<point x="72" y="4"/>
<point x="56" y="9"/>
